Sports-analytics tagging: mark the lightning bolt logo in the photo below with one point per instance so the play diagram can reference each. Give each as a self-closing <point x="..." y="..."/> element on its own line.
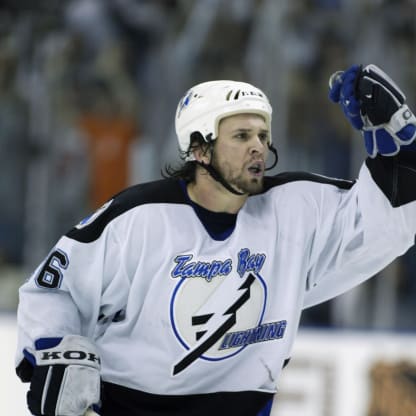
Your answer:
<point x="213" y="325"/>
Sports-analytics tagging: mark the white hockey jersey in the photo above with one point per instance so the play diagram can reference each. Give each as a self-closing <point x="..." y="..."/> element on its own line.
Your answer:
<point x="178" y="310"/>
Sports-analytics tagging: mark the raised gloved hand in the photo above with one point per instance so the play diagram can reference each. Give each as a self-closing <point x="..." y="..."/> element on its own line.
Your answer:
<point x="66" y="378"/>
<point x="374" y="104"/>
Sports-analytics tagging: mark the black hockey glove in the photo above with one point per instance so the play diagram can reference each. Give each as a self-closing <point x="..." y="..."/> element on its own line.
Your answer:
<point x="374" y="104"/>
<point x="66" y="378"/>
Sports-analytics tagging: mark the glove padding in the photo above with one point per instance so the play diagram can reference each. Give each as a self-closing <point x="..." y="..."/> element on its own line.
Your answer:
<point x="66" y="378"/>
<point x="374" y="104"/>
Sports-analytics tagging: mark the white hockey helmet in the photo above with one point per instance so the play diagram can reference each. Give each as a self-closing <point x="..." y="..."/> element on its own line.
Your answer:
<point x="203" y="106"/>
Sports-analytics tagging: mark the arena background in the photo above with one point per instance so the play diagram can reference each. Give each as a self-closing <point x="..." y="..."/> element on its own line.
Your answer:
<point x="88" y="90"/>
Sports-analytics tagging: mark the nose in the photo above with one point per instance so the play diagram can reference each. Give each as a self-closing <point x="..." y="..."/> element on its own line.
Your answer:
<point x="258" y="145"/>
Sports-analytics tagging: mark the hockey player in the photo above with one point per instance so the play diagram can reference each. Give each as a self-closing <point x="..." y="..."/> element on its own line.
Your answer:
<point x="183" y="296"/>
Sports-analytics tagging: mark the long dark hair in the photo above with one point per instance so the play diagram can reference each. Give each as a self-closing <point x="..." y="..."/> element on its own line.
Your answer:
<point x="186" y="170"/>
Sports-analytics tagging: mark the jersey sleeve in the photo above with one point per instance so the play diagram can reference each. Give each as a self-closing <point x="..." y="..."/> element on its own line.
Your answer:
<point x="361" y="230"/>
<point x="79" y="285"/>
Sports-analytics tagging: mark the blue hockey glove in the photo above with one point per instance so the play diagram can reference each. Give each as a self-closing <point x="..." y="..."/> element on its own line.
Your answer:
<point x="342" y="89"/>
<point x="374" y="104"/>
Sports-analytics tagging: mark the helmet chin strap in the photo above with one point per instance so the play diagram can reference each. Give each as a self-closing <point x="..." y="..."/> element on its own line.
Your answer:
<point x="276" y="157"/>
<point x="219" y="178"/>
<point x="210" y="169"/>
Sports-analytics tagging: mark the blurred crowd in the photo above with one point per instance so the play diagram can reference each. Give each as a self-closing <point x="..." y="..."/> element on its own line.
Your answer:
<point x="88" y="91"/>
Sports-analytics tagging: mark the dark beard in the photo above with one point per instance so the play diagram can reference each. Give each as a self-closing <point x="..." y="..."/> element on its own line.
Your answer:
<point x="250" y="186"/>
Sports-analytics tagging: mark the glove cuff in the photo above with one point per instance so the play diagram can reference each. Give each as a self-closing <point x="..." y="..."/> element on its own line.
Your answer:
<point x="401" y="118"/>
<point x="72" y="350"/>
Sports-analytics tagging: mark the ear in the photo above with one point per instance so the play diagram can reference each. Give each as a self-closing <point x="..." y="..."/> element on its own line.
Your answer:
<point x="202" y="154"/>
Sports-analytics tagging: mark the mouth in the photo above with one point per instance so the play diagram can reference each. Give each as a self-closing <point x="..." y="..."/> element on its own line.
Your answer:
<point x="256" y="168"/>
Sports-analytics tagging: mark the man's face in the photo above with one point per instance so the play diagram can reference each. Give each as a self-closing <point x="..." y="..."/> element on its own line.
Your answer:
<point x="241" y="150"/>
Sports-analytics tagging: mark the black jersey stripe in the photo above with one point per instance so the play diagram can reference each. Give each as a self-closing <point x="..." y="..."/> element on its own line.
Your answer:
<point x="287" y="177"/>
<point x="120" y="400"/>
<point x="162" y="191"/>
<point x="395" y="176"/>
<point x="169" y="191"/>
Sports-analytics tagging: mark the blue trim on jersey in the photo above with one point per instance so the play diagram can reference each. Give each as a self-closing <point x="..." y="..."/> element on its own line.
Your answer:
<point x="219" y="225"/>
<point x="96" y="408"/>
<point x="266" y="409"/>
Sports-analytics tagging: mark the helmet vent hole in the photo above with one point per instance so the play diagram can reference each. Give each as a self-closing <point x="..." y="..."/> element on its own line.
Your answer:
<point x="236" y="95"/>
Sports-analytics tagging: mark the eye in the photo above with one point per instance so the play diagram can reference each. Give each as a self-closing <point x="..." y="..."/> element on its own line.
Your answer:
<point x="241" y="135"/>
<point x="264" y="137"/>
